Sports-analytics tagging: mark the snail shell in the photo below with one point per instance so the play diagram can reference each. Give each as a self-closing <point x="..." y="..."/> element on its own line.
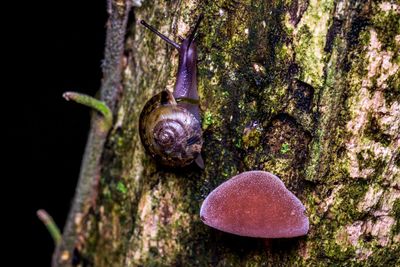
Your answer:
<point x="170" y="133"/>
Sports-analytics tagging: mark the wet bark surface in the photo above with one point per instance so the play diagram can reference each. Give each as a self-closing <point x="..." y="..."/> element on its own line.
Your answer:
<point x="307" y="90"/>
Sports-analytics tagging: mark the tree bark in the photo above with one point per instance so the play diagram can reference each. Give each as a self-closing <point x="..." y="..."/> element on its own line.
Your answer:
<point x="308" y="90"/>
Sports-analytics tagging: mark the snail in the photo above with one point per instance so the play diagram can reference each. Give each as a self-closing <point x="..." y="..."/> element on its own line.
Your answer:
<point x="169" y="124"/>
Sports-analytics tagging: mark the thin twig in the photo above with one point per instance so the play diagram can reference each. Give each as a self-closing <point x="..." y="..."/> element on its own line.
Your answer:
<point x="86" y="191"/>
<point x="50" y="225"/>
<point x="93" y="103"/>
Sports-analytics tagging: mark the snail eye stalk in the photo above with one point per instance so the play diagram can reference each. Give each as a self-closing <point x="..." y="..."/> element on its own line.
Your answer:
<point x="162" y="36"/>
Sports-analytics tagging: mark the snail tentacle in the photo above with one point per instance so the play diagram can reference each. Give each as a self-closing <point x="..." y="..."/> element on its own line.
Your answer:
<point x="169" y="124"/>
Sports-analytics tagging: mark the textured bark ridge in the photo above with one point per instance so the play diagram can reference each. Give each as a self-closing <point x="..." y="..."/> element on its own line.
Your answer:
<point x="308" y="90"/>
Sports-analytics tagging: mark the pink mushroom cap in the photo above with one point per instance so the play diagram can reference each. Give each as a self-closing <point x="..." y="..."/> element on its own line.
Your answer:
<point x="255" y="204"/>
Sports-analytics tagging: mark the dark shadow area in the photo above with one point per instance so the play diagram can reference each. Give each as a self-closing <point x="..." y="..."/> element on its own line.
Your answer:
<point x="57" y="46"/>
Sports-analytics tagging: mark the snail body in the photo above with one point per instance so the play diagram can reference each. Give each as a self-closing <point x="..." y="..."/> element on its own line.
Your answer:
<point x="169" y="124"/>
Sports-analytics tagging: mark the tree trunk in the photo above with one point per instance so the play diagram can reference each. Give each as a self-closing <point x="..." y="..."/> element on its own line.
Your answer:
<point x="308" y="90"/>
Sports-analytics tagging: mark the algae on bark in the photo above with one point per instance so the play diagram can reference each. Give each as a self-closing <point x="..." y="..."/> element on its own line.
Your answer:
<point x="307" y="90"/>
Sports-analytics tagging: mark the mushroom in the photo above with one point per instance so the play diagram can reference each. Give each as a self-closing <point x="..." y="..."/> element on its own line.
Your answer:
<point x="255" y="204"/>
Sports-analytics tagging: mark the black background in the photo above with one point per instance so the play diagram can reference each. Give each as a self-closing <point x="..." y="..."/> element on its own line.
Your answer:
<point x="48" y="47"/>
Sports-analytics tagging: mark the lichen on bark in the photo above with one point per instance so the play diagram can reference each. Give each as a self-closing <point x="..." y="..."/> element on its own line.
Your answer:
<point x="307" y="90"/>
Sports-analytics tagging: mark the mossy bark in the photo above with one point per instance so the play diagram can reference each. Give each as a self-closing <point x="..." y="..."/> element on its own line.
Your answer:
<point x="308" y="90"/>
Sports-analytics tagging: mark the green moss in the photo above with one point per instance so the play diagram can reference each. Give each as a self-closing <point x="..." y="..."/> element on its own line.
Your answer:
<point x="397" y="160"/>
<point x="387" y="25"/>
<point x="251" y="137"/>
<point x="106" y="193"/>
<point x="392" y="92"/>
<point x="121" y="187"/>
<point x="345" y="208"/>
<point x="331" y="98"/>
<point x="309" y="45"/>
<point x="314" y="161"/>
<point x="396" y="213"/>
<point x="368" y="160"/>
<point x="327" y="237"/>
<point x="285" y="148"/>
<point x="336" y="252"/>
<point x="386" y="256"/>
<point x="208" y="120"/>
<point x="373" y="132"/>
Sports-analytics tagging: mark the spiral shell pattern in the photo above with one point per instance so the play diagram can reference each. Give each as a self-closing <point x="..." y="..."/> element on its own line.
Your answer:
<point x="170" y="133"/>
